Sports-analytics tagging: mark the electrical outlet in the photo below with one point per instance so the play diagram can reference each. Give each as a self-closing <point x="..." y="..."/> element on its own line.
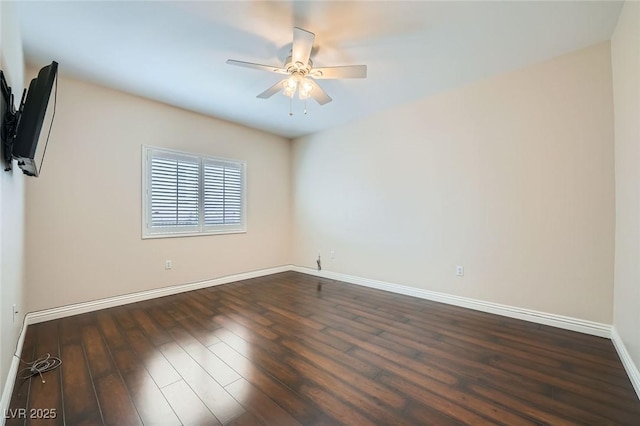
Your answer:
<point x="333" y="254"/>
<point x="459" y="271"/>
<point x="167" y="264"/>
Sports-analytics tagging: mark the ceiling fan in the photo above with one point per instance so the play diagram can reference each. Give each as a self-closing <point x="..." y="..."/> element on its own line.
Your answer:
<point x="300" y="71"/>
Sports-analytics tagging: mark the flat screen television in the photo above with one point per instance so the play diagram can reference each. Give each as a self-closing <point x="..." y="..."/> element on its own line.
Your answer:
<point x="36" y="119"/>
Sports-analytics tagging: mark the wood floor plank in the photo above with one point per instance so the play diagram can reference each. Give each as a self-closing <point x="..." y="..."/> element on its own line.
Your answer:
<point x="70" y="328"/>
<point x="250" y="311"/>
<point x="405" y="335"/>
<point x="598" y="407"/>
<point x="214" y="396"/>
<point x="200" y="332"/>
<point x="408" y="366"/>
<point x="154" y="333"/>
<point x="161" y="317"/>
<point x="147" y="397"/>
<point x="98" y="356"/>
<point x="477" y="339"/>
<point x="83" y="408"/>
<point x="338" y="321"/>
<point x="294" y="349"/>
<point x="424" y="415"/>
<point x="44" y="391"/>
<point x="453" y="393"/>
<point x="259" y="324"/>
<point x="317" y="345"/>
<point x="276" y="312"/>
<point x="243" y="328"/>
<point x="260" y="404"/>
<point x="376" y="409"/>
<point x="385" y="345"/>
<point x="458" y="410"/>
<point x="515" y="385"/>
<point x="458" y="359"/>
<point x="197" y="304"/>
<point x="110" y="331"/>
<point x="531" y="407"/>
<point x="209" y="362"/>
<point x="267" y="362"/>
<point x="306" y="335"/>
<point x="115" y="401"/>
<point x="580" y="386"/>
<point x="294" y="403"/>
<point x="364" y="384"/>
<point x="189" y="408"/>
<point x="123" y="317"/>
<point x="244" y="341"/>
<point x="20" y="395"/>
<point x="156" y="364"/>
<point x="335" y="407"/>
<point x="246" y="419"/>
<point x="113" y="397"/>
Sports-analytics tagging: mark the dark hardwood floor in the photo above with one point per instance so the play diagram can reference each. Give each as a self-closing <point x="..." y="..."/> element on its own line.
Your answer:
<point x="276" y="351"/>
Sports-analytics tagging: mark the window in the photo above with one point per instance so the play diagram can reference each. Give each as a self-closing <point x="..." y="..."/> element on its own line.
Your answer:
<point x="185" y="194"/>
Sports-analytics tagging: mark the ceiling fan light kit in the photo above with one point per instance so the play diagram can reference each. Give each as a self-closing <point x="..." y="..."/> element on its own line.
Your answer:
<point x="297" y="82"/>
<point x="300" y="72"/>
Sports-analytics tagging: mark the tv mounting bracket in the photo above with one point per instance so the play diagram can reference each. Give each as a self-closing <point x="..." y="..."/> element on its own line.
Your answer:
<point x="9" y="122"/>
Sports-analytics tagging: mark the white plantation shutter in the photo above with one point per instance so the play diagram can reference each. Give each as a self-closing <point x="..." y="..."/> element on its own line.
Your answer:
<point x="186" y="194"/>
<point x="223" y="193"/>
<point x="174" y="192"/>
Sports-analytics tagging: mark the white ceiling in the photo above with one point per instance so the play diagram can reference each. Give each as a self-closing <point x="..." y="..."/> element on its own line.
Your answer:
<point x="175" y="51"/>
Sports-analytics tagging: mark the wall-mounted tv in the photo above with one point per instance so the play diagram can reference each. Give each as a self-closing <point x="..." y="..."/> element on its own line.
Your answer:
<point x="35" y="121"/>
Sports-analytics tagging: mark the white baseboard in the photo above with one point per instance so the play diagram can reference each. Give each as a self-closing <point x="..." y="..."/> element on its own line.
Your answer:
<point x="568" y="323"/>
<point x="560" y="321"/>
<point x="629" y="366"/>
<point x="11" y="375"/>
<point x="109" y="302"/>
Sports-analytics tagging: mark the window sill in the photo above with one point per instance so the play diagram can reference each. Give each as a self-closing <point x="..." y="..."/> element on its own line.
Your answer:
<point x="191" y="234"/>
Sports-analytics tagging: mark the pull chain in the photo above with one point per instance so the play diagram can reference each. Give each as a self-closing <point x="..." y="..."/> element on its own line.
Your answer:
<point x="290" y="106"/>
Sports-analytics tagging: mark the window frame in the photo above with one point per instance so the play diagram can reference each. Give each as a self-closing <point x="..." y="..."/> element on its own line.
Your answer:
<point x="201" y="228"/>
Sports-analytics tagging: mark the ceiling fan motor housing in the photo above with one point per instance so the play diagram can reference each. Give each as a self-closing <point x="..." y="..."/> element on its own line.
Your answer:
<point x="298" y="67"/>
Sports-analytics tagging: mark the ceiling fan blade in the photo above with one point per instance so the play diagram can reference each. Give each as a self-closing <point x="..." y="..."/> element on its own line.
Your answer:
<point x="318" y="94"/>
<point x="302" y="45"/>
<point x="271" y="91"/>
<point x="257" y="66"/>
<point x="349" y="71"/>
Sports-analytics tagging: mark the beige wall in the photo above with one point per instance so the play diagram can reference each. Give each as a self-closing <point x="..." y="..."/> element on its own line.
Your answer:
<point x="84" y="212"/>
<point x="12" y="201"/>
<point x="511" y="178"/>
<point x="625" y="55"/>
